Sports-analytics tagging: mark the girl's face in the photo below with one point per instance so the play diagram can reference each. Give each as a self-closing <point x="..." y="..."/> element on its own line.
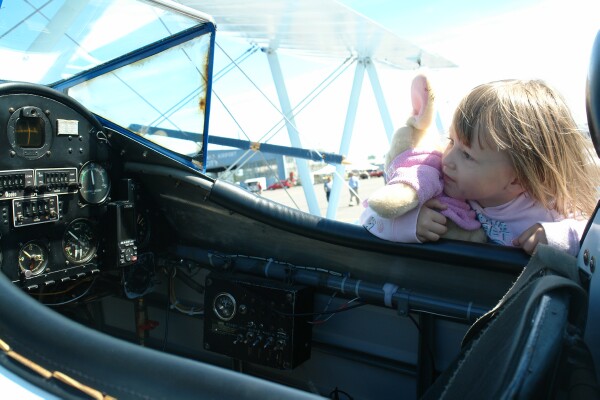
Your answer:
<point x="478" y="173"/>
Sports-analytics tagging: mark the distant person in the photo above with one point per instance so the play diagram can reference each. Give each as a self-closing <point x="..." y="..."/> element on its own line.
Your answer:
<point x="327" y="187"/>
<point x="353" y="184"/>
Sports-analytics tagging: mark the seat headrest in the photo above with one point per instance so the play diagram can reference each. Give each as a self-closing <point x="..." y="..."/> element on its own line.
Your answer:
<point x="592" y="97"/>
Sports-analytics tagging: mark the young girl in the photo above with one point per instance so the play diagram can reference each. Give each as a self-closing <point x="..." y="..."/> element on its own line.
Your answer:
<point x="516" y="155"/>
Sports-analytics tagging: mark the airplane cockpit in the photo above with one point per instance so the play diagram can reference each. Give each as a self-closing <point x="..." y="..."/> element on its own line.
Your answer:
<point x="128" y="272"/>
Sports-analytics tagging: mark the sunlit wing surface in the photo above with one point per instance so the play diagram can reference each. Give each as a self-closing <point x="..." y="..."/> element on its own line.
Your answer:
<point x="315" y="27"/>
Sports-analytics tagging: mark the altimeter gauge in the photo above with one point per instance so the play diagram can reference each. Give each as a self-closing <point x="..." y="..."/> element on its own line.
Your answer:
<point x="33" y="258"/>
<point x="94" y="183"/>
<point x="79" y="241"/>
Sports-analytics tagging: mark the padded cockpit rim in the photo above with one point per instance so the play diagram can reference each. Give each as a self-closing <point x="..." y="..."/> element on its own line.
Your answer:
<point x="355" y="236"/>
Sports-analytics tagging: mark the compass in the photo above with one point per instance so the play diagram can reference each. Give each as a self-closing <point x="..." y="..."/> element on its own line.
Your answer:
<point x="95" y="183"/>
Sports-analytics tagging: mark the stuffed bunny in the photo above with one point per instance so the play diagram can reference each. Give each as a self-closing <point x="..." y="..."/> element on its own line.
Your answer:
<point x="413" y="168"/>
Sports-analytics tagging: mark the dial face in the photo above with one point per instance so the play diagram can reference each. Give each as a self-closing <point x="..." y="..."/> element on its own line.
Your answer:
<point x="224" y="306"/>
<point x="33" y="258"/>
<point x="95" y="183"/>
<point x="79" y="241"/>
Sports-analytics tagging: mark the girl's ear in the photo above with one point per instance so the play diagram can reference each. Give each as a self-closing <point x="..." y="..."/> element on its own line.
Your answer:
<point x="515" y="186"/>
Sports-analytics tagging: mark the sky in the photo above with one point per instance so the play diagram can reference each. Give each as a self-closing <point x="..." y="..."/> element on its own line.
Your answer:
<point x="487" y="40"/>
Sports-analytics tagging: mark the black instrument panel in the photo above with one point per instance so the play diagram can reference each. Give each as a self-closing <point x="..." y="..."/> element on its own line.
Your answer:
<point x="55" y="182"/>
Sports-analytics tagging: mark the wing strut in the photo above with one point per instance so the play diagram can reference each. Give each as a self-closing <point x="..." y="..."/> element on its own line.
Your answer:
<point x="286" y="109"/>
<point x="334" y="197"/>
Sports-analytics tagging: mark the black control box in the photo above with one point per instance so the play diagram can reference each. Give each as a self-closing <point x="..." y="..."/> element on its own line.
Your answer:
<point x="121" y="248"/>
<point x="257" y="320"/>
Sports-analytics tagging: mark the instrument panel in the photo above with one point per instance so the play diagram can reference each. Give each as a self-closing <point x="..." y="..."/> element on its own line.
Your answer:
<point x="55" y="183"/>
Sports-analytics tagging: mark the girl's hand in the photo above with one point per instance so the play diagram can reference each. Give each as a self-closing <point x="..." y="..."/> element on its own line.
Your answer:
<point x="529" y="239"/>
<point x="430" y="223"/>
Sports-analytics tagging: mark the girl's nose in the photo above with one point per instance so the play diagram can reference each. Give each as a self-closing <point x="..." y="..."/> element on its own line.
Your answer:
<point x="447" y="158"/>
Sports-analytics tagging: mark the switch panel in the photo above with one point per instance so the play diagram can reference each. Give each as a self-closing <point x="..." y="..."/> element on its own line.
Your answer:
<point x="258" y="320"/>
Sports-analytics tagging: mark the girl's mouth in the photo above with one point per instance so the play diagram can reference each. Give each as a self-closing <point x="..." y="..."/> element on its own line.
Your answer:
<point x="447" y="179"/>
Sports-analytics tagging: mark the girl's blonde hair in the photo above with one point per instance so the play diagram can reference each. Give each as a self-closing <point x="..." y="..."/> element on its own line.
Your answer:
<point x="552" y="158"/>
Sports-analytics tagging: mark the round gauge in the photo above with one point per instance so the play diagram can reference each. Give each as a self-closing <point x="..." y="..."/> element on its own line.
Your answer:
<point x="224" y="306"/>
<point x="33" y="258"/>
<point x="79" y="241"/>
<point x="95" y="183"/>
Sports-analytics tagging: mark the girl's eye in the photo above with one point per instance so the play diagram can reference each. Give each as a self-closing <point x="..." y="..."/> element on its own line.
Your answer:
<point x="450" y="140"/>
<point x="467" y="156"/>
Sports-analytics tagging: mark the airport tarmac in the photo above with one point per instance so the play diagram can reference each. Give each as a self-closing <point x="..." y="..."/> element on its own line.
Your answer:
<point x="294" y="197"/>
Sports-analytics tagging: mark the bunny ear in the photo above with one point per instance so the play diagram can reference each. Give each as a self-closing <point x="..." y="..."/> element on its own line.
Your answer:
<point x="422" y="102"/>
